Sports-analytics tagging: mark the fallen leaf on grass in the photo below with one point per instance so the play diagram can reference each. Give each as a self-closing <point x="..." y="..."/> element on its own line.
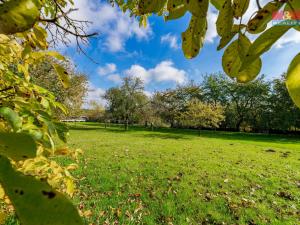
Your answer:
<point x="135" y="195"/>
<point x="270" y="150"/>
<point x="87" y="213"/>
<point x="285" y="195"/>
<point x="285" y="154"/>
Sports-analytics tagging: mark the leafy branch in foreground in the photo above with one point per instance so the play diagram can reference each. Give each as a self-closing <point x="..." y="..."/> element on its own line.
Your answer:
<point x="242" y="58"/>
<point x="31" y="180"/>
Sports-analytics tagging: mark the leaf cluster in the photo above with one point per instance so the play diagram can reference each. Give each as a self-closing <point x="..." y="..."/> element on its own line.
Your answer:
<point x="241" y="60"/>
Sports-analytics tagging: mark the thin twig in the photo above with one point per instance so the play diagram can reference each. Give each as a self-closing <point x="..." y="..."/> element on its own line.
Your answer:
<point x="258" y="4"/>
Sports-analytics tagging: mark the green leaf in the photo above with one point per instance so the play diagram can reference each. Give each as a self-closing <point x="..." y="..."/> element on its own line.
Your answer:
<point x="18" y="15"/>
<point x="294" y="7"/>
<point x="225" y="19"/>
<point x="230" y="61"/>
<point x="226" y="39"/>
<point x="40" y="37"/>
<point x="62" y="74"/>
<point x="259" y="23"/>
<point x="198" y="8"/>
<point x="27" y="50"/>
<point x="176" y="9"/>
<point x="11" y="117"/>
<point x="217" y="3"/>
<point x="35" y="202"/>
<point x="175" y="4"/>
<point x="240" y="7"/>
<point x="295" y="4"/>
<point x="293" y="80"/>
<point x="56" y="55"/>
<point x="62" y="131"/>
<point x="153" y="6"/>
<point x="18" y="146"/>
<point x="263" y="43"/>
<point x="233" y="58"/>
<point x="250" y="72"/>
<point x="193" y="37"/>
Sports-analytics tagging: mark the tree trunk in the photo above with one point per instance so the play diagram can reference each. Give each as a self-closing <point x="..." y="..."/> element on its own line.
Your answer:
<point x="126" y="124"/>
<point x="199" y="131"/>
<point x="238" y="125"/>
<point x="152" y="128"/>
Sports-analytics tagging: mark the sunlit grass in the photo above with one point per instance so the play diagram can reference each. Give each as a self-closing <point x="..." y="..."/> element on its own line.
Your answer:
<point x="176" y="177"/>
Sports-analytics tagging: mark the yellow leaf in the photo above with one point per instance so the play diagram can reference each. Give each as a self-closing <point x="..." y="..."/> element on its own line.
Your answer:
<point x="198" y="8"/>
<point x="263" y="43"/>
<point x="226" y="39"/>
<point x="225" y="19"/>
<point x="153" y="6"/>
<point x="70" y="187"/>
<point x="87" y="213"/>
<point x="193" y="37"/>
<point x="233" y="58"/>
<point x="62" y="74"/>
<point x="259" y="22"/>
<point x="72" y="166"/>
<point x="240" y="7"/>
<point x="31" y="198"/>
<point x="176" y="9"/>
<point x="2" y="193"/>
<point x="18" y="15"/>
<point x="293" y="80"/>
<point x="56" y="55"/>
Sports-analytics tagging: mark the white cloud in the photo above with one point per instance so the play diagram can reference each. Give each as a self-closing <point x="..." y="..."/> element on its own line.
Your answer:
<point x="148" y="94"/>
<point x="114" y="27"/>
<point x="94" y="94"/>
<point x="162" y="72"/>
<point x="165" y="71"/>
<point x="171" y="40"/>
<point x="116" y="78"/>
<point x="211" y="33"/>
<point x="291" y="37"/>
<point x="138" y="71"/>
<point x="107" y="69"/>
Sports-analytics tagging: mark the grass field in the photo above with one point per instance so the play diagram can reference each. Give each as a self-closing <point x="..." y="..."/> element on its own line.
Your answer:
<point x="170" y="176"/>
<point x="176" y="177"/>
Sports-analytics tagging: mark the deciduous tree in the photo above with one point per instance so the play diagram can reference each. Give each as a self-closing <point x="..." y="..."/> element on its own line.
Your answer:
<point x="202" y="115"/>
<point x="72" y="97"/>
<point x="124" y="102"/>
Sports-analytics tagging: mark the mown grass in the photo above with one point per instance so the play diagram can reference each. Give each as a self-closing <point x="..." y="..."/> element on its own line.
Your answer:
<point x="170" y="176"/>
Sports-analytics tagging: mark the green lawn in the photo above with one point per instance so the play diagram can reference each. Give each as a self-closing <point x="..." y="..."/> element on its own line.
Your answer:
<point x="176" y="177"/>
<point x="171" y="176"/>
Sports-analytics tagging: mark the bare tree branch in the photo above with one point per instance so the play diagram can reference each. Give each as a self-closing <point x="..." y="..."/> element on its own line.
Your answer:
<point x="62" y="27"/>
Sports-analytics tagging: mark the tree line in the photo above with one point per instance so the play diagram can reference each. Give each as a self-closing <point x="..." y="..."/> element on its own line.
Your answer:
<point x="215" y="103"/>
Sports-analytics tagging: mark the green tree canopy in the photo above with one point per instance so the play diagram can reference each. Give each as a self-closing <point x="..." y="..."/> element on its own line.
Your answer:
<point x="125" y="101"/>
<point x="202" y="115"/>
<point x="72" y="97"/>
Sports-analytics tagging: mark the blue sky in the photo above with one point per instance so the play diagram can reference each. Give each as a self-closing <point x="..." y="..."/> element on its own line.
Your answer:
<point x="154" y="53"/>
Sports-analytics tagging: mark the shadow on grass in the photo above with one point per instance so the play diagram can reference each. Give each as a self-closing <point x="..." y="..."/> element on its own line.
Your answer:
<point x="172" y="133"/>
<point x="165" y="136"/>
